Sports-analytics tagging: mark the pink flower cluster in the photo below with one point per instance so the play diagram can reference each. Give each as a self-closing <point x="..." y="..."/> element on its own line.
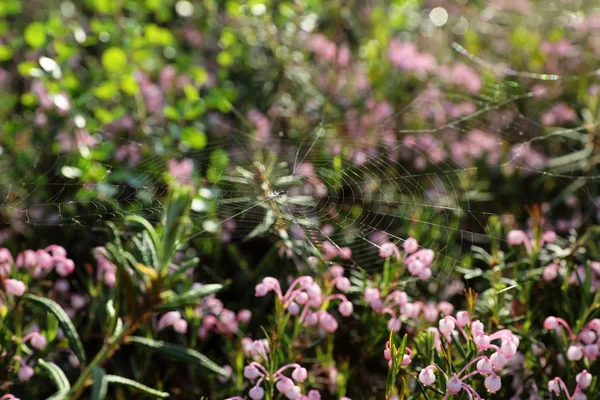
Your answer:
<point x="583" y="380"/>
<point x="560" y="113"/>
<point x="405" y="308"/>
<point x="174" y="319"/>
<point x="216" y="318"/>
<point x="406" y="56"/>
<point x="488" y="366"/>
<point x="256" y="372"/>
<point x="331" y="251"/>
<point x="417" y="261"/>
<point x="518" y="238"/>
<point x="406" y="357"/>
<point x="37" y="263"/>
<point x="585" y="344"/>
<point x="305" y="298"/>
<point x="107" y="271"/>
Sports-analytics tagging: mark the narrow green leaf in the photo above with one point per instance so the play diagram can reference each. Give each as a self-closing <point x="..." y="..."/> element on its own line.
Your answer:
<point x="180" y="271"/>
<point x="64" y="321"/>
<point x="147" y="228"/>
<point x="190" y="297"/>
<point x="100" y="384"/>
<point x="264" y="227"/>
<point x="119" y="380"/>
<point x="178" y="353"/>
<point x="58" y="377"/>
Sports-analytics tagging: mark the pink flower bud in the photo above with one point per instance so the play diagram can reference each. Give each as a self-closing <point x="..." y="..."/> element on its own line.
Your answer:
<point x="394" y="324"/>
<point x="574" y="353"/>
<point x="477" y="328"/>
<point x="345" y="308"/>
<point x="335" y="271"/>
<point x="386" y="250"/>
<point x="38" y="341"/>
<point x="550" y="272"/>
<point x="229" y="371"/>
<point x="345" y="253"/>
<point x="578" y="395"/>
<point x="587" y="336"/>
<point x="316" y="301"/>
<point x="550" y="323"/>
<point x="454" y="385"/>
<point x="26" y="259"/>
<point x="62" y="286"/>
<point x="446" y="326"/>
<point x="261" y="290"/>
<point x="14" y="287"/>
<point x="302" y="298"/>
<point x="410" y="245"/>
<point x="342" y="284"/>
<point x="25" y="373"/>
<point x="244" y="316"/>
<point x="110" y="278"/>
<point x="493" y="383"/>
<point x="78" y="301"/>
<point x="548" y="237"/>
<point x="73" y="360"/>
<point x="314" y="395"/>
<point x="554" y="386"/>
<point x="484" y="366"/>
<point x="44" y="259"/>
<point x="425" y="274"/>
<point x="311" y="319"/>
<point x="516" y="237"/>
<point x="314" y="290"/>
<point x="256" y="393"/>
<point x="482" y="341"/>
<point x="591" y="351"/>
<point x="415" y="267"/>
<point x="294" y="308"/>
<point x="463" y="318"/>
<point x="498" y="361"/>
<point x="387" y="354"/>
<point x="372" y="294"/>
<point x="430" y="313"/>
<point x="584" y="379"/>
<point x="427" y="377"/>
<point x="328" y="322"/>
<point x="299" y="374"/>
<point x="251" y="372"/>
<point x="284" y="384"/>
<point x="406" y="360"/>
<point x="64" y="266"/>
<point x="293" y="393"/>
<point x="445" y="308"/>
<point x="508" y="348"/>
<point x="180" y="326"/>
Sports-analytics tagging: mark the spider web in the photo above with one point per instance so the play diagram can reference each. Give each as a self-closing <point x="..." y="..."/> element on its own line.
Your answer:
<point x="401" y="179"/>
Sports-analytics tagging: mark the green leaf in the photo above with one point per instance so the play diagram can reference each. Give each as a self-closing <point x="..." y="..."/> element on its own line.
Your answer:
<point x="59" y="378"/>
<point x="190" y="297"/>
<point x="264" y="226"/>
<point x="180" y="271"/>
<point x="193" y="138"/>
<point x="64" y="321"/>
<point x="114" y="60"/>
<point x="147" y="227"/>
<point x="179" y="353"/>
<point x="51" y="327"/>
<point x="35" y="35"/>
<point x="176" y="213"/>
<point x="100" y="384"/>
<point x="135" y="385"/>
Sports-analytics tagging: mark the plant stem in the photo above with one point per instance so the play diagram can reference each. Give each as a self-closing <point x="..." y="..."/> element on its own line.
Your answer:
<point x="107" y="350"/>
